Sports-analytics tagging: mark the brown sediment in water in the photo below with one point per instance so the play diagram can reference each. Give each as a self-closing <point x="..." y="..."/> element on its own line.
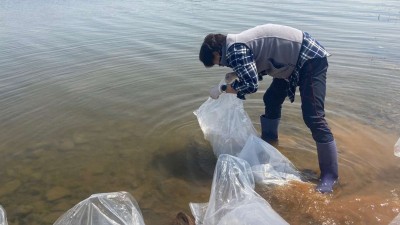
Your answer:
<point x="299" y="203"/>
<point x="368" y="190"/>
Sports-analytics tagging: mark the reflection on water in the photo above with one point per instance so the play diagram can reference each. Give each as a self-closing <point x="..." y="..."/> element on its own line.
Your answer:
<point x="98" y="96"/>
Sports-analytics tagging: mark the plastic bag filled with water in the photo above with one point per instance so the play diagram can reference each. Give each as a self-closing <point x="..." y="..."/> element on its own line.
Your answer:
<point x="225" y="124"/>
<point x="3" y="217"/>
<point x="233" y="200"/>
<point x="269" y="166"/>
<point x="115" y="208"/>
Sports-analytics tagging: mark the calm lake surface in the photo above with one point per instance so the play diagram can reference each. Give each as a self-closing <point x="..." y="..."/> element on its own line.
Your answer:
<point x="98" y="96"/>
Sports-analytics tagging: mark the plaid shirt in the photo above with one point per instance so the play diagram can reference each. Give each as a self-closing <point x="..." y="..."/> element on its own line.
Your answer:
<point x="240" y="59"/>
<point x="310" y="49"/>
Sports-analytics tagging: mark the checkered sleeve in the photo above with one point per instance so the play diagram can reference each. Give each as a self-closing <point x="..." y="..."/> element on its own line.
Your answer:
<point x="312" y="49"/>
<point x="240" y="59"/>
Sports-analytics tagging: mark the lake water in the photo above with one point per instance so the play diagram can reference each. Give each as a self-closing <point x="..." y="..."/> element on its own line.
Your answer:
<point x="98" y="96"/>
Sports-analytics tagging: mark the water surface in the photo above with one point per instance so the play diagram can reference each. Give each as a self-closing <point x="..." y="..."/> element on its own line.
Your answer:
<point x="97" y="96"/>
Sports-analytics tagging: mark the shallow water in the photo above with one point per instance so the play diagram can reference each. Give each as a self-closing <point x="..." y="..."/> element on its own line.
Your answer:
<point x="98" y="96"/>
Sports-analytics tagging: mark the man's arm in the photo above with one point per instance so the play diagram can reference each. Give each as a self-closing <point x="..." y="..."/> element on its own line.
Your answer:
<point x="241" y="59"/>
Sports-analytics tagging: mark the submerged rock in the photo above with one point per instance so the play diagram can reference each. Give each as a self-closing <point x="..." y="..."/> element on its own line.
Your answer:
<point x="57" y="193"/>
<point x="183" y="219"/>
<point x="9" y="187"/>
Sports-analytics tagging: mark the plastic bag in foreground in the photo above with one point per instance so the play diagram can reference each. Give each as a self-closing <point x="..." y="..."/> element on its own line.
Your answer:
<point x="115" y="208"/>
<point x="233" y="200"/>
<point x="3" y="217"/>
<point x="397" y="148"/>
<point x="225" y="124"/>
<point x="269" y="166"/>
<point x="396" y="220"/>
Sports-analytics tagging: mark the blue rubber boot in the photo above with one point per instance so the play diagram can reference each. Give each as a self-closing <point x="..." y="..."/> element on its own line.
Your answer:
<point x="269" y="129"/>
<point x="327" y="157"/>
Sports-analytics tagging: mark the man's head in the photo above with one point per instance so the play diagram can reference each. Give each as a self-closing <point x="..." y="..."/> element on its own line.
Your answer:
<point x="210" y="51"/>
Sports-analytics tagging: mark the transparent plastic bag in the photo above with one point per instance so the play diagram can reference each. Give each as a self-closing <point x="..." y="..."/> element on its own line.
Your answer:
<point x="225" y="124"/>
<point x="396" y="220"/>
<point x="115" y="208"/>
<point x="233" y="199"/>
<point x="3" y="217"/>
<point x="397" y="148"/>
<point x="269" y="166"/>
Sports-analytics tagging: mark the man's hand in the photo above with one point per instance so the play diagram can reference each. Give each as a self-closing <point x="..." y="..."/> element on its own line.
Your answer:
<point x="229" y="89"/>
<point x="230" y="77"/>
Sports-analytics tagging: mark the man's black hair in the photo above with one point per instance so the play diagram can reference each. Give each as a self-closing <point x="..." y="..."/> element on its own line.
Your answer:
<point x="212" y="43"/>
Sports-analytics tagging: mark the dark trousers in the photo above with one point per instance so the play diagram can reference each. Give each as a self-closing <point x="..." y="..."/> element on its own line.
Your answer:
<point x="312" y="86"/>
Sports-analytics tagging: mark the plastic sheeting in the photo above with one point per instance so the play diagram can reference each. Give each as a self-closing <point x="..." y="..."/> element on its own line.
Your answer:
<point x="115" y="208"/>
<point x="225" y="124"/>
<point x="3" y="217"/>
<point x="233" y="199"/>
<point x="397" y="148"/>
<point x="395" y="221"/>
<point x="228" y="128"/>
<point x="269" y="166"/>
